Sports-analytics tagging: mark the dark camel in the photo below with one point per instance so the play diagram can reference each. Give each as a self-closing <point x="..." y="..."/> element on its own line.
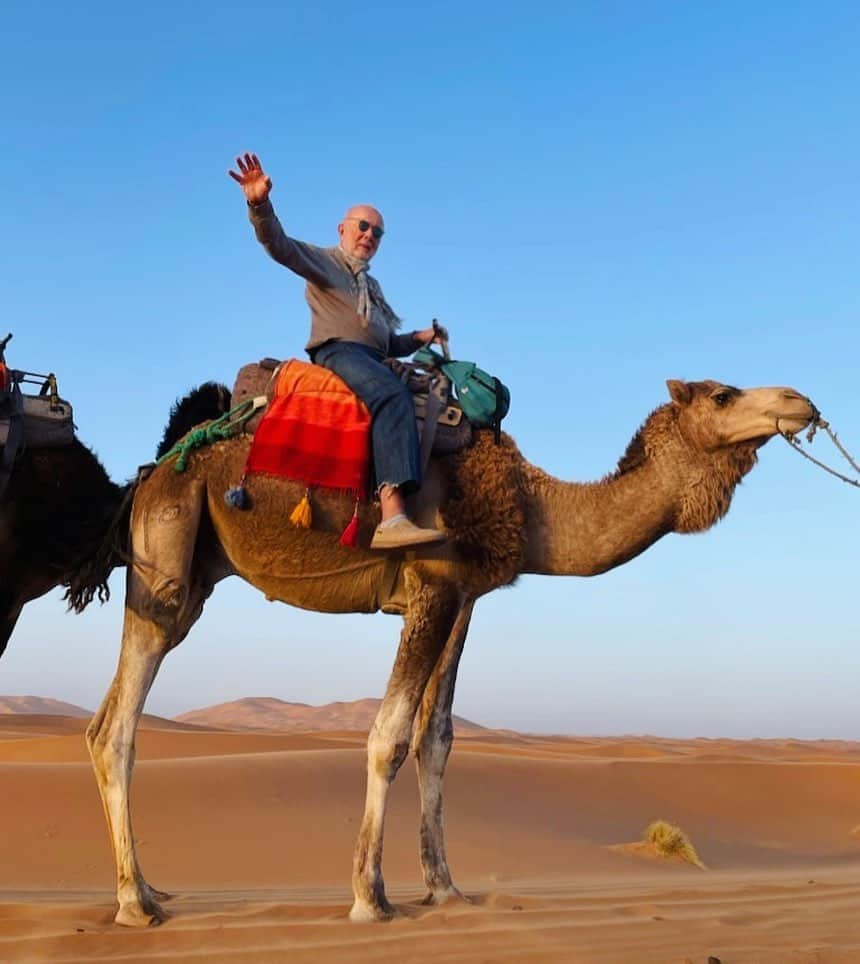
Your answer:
<point x="63" y="522"/>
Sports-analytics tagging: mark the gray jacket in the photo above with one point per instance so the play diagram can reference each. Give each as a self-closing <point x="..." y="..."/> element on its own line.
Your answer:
<point x="331" y="290"/>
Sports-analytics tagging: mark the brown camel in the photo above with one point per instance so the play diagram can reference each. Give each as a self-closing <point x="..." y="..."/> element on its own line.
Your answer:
<point x="503" y="517"/>
<point x="58" y="511"/>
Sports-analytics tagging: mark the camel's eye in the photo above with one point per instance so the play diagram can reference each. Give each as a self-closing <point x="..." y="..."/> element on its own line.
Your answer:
<point x="722" y="398"/>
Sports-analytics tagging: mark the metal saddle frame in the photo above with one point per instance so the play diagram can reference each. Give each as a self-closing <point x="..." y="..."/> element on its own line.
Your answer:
<point x="13" y="414"/>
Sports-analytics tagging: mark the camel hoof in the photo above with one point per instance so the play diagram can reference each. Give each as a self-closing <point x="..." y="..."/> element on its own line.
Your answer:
<point x="363" y="912"/>
<point x="134" y="915"/>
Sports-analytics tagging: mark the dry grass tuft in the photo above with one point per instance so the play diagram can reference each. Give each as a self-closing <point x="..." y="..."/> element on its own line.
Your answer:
<point x="670" y="841"/>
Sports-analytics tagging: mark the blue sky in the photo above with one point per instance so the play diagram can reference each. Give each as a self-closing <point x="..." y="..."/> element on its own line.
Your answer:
<point x="593" y="197"/>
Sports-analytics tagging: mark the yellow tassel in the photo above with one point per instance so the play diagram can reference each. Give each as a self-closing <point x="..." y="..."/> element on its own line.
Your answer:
<point x="302" y="515"/>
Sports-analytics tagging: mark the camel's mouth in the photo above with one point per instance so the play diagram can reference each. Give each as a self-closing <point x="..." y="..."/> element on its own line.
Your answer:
<point x="790" y="421"/>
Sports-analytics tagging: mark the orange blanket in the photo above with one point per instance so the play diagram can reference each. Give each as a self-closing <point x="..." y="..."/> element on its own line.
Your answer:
<point x="315" y="430"/>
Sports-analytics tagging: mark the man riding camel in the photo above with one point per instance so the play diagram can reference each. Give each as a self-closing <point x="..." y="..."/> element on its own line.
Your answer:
<point x="353" y="329"/>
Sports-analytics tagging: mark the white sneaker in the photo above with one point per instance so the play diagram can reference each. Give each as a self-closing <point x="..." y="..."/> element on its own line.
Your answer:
<point x="402" y="534"/>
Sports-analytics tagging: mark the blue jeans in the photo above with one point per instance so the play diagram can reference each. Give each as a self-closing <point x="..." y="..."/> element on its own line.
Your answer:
<point x="396" y="453"/>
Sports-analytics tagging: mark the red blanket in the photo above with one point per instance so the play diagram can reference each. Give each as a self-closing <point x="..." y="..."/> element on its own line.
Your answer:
<point x="315" y="430"/>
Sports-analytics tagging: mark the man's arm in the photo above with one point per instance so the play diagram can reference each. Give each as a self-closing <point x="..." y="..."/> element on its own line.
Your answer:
<point x="400" y="345"/>
<point x="312" y="263"/>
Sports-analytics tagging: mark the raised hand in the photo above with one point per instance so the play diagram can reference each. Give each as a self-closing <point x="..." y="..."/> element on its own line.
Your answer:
<point x="252" y="178"/>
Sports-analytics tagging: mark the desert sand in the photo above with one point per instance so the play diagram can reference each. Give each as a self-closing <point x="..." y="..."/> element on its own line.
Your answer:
<point x="252" y="832"/>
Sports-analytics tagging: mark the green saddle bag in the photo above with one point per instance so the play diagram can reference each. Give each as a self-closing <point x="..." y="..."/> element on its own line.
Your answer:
<point x="485" y="400"/>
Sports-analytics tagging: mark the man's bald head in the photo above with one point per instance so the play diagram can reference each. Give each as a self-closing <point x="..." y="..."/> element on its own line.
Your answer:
<point x="361" y="231"/>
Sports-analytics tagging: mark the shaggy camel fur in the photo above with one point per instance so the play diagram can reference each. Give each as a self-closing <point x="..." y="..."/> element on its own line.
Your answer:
<point x="503" y="517"/>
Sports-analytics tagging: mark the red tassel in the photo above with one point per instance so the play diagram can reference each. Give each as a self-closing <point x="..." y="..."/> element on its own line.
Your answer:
<point x="349" y="536"/>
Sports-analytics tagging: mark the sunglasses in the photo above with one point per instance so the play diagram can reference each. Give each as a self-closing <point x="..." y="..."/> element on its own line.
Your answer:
<point x="363" y="226"/>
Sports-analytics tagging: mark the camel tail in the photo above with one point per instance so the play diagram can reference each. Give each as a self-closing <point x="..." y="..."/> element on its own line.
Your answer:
<point x="89" y="577"/>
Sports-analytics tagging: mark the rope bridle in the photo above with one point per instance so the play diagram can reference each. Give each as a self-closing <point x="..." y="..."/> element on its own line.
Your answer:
<point x="819" y="423"/>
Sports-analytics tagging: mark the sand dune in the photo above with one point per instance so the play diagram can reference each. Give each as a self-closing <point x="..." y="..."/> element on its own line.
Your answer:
<point x="267" y="713"/>
<point x="253" y="833"/>
<point x="40" y="705"/>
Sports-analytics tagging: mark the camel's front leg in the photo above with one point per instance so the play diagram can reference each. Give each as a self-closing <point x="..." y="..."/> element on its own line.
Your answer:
<point x="434" y="734"/>
<point x="431" y="611"/>
<point x="110" y="738"/>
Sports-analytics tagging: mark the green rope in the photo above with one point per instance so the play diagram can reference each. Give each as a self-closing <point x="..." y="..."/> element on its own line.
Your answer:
<point x="228" y="425"/>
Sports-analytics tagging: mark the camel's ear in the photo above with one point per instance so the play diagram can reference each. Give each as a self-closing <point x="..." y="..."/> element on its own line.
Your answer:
<point x="679" y="391"/>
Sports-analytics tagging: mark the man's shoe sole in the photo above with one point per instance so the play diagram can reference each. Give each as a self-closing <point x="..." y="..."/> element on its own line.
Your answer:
<point x="407" y="542"/>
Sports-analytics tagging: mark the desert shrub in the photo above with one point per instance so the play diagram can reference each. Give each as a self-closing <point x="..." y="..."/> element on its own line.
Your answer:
<point x="670" y="841"/>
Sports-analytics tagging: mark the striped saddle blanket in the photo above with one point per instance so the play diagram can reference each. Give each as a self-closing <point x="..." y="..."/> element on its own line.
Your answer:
<point x="315" y="430"/>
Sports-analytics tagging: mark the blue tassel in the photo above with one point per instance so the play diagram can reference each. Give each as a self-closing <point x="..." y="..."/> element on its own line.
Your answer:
<point x="237" y="496"/>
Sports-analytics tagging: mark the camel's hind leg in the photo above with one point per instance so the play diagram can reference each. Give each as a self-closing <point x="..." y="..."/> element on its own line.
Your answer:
<point x="432" y="739"/>
<point x="162" y="603"/>
<point x="431" y="610"/>
<point x="110" y="738"/>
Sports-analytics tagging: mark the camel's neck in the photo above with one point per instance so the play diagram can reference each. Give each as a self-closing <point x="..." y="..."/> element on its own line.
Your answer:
<point x="585" y="529"/>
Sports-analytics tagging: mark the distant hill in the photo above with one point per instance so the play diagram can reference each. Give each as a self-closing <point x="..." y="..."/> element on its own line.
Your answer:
<point x="251" y="713"/>
<point x="268" y="713"/>
<point x="42" y="706"/>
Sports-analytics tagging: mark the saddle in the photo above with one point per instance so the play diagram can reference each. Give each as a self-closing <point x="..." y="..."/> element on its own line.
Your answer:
<point x="442" y="427"/>
<point x="42" y="420"/>
<point x="307" y="425"/>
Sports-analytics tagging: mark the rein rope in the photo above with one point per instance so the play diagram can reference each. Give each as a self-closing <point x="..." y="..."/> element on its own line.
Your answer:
<point x="819" y="423"/>
<point x="225" y="427"/>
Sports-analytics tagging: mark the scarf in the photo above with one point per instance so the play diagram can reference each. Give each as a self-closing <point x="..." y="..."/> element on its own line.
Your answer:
<point x="369" y="292"/>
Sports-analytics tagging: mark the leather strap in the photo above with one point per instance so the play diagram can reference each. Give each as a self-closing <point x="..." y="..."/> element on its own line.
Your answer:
<point x="432" y="410"/>
<point x="15" y="436"/>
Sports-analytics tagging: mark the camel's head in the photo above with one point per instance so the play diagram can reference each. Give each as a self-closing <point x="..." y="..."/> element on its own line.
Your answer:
<point x="715" y="416"/>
